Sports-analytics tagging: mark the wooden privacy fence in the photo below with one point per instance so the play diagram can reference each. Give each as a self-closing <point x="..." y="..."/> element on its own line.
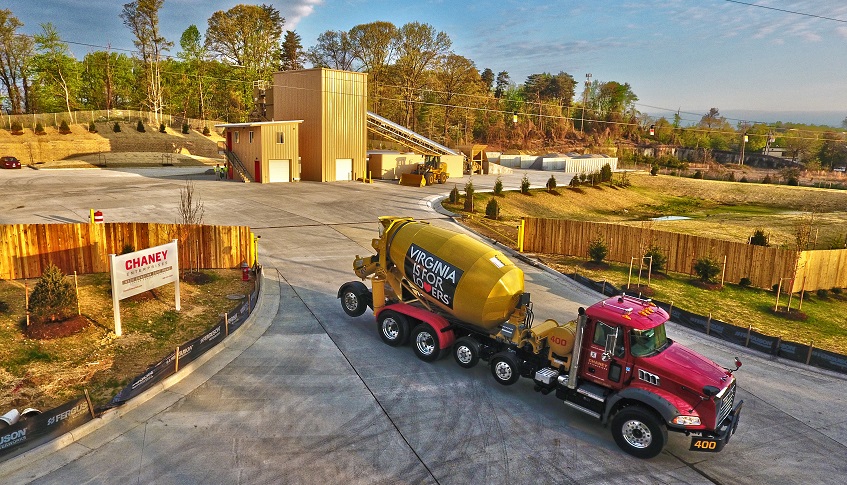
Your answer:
<point x="26" y="249"/>
<point x="764" y="266"/>
<point x="821" y="270"/>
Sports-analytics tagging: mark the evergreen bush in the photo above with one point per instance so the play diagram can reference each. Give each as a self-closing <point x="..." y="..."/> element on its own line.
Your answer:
<point x="117" y="127"/>
<point x="658" y="258"/>
<point x="454" y="195"/>
<point x="707" y="269"/>
<point x="498" y="186"/>
<point x="606" y="173"/>
<point x="654" y="170"/>
<point x="16" y="128"/>
<point x="92" y="128"/>
<point x="140" y="127"/>
<point x="551" y="184"/>
<point x="469" y="206"/>
<point x="745" y="282"/>
<point x="575" y="181"/>
<point x="492" y="209"/>
<point x="759" y="238"/>
<point x="39" y="129"/>
<point x="597" y="250"/>
<point x="162" y="128"/>
<point x="206" y="131"/>
<point x="64" y="128"/>
<point x="185" y="128"/>
<point x="53" y="299"/>
<point x="525" y="184"/>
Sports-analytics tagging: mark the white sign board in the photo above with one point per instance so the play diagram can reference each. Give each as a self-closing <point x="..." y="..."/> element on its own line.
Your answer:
<point x="141" y="271"/>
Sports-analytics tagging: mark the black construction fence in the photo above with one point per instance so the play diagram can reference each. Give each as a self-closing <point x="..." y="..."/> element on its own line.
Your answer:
<point x="29" y="432"/>
<point x="746" y="337"/>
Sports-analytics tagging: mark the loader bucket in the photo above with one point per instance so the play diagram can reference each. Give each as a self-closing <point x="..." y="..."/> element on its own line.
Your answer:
<point x="412" y="180"/>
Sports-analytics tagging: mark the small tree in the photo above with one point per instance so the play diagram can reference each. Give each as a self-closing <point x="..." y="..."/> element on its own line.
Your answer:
<point x="583" y="177"/>
<point x="53" y="299"/>
<point x="525" y="184"/>
<point x="469" y="196"/>
<point x="92" y="128"/>
<point x="498" y="186"/>
<point x="551" y="184"/>
<point x="140" y="127"/>
<point x="117" y="127"/>
<point x="707" y="269"/>
<point x="767" y="179"/>
<point x="575" y="181"/>
<point x="654" y="170"/>
<point x="64" y="128"/>
<point x="606" y="173"/>
<point x="597" y="250"/>
<point x="759" y="238"/>
<point x="492" y="209"/>
<point x="162" y="128"/>
<point x="16" y="128"/>
<point x="39" y="129"/>
<point x="658" y="258"/>
<point x="454" y="195"/>
<point x="206" y="131"/>
<point x="185" y="128"/>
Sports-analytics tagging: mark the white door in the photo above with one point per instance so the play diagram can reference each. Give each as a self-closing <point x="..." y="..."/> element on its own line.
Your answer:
<point x="343" y="169"/>
<point x="279" y="171"/>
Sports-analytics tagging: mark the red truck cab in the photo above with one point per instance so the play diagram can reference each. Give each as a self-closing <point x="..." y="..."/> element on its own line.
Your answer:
<point x="648" y="377"/>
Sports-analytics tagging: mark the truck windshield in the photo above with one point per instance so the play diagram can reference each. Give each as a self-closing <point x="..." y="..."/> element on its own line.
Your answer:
<point x="647" y="342"/>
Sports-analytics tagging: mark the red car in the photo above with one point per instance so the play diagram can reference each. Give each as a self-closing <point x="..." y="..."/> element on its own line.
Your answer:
<point x="10" y="162"/>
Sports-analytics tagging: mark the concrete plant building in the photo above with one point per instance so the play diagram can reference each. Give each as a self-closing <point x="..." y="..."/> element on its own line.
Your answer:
<point x="268" y="150"/>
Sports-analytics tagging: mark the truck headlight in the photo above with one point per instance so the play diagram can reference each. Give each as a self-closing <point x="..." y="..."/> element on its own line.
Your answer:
<point x="687" y="420"/>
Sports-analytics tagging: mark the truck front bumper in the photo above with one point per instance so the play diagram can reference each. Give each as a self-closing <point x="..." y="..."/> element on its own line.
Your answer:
<point x="715" y="441"/>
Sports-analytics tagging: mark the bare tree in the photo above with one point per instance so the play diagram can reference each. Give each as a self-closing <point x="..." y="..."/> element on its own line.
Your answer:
<point x="190" y="212"/>
<point x="142" y="18"/>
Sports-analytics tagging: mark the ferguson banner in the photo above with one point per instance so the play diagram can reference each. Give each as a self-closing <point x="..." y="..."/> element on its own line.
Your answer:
<point x="142" y="271"/>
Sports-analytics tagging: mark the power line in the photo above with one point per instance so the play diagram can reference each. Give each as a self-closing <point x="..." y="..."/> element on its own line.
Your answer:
<point x="793" y="12"/>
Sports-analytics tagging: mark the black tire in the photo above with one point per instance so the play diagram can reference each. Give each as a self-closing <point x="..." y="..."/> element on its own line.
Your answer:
<point x="466" y="352"/>
<point x="505" y="368"/>
<point x="442" y="178"/>
<point x="430" y="178"/>
<point x="639" y="432"/>
<point x="425" y="343"/>
<point x="393" y="328"/>
<point x="354" y="298"/>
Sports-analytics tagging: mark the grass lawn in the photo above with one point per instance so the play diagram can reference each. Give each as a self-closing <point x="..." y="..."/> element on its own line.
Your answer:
<point x="45" y="373"/>
<point x="724" y="210"/>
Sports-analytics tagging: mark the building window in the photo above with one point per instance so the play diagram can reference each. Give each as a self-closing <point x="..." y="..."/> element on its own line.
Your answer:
<point x="280" y="137"/>
<point x="235" y="136"/>
<point x="249" y="137"/>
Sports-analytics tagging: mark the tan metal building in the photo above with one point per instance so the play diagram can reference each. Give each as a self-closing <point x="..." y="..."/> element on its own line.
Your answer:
<point x="333" y="107"/>
<point x="269" y="150"/>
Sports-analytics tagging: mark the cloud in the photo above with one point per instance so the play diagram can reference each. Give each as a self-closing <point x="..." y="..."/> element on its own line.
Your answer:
<point x="296" y="10"/>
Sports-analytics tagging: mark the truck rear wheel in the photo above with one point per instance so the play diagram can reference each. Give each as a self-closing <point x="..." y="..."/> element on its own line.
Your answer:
<point x="442" y="178"/>
<point x="393" y="328"/>
<point x="354" y="298"/>
<point x="505" y="368"/>
<point x="466" y="352"/>
<point x="425" y="343"/>
<point x="639" y="432"/>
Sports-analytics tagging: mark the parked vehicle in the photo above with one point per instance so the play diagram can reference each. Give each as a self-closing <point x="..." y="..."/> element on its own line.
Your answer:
<point x="448" y="293"/>
<point x="10" y="162"/>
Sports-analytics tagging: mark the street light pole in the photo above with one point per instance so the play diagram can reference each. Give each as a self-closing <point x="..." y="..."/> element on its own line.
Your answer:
<point x="584" y="102"/>
<point x="743" y="143"/>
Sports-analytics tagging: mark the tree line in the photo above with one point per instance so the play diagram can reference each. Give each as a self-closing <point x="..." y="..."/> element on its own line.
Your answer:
<point x="414" y="79"/>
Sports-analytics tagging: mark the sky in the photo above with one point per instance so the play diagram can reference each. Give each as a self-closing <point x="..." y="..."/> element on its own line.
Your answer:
<point x="750" y="62"/>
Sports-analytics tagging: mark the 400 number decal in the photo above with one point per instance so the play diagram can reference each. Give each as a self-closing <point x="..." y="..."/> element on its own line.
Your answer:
<point x="705" y="444"/>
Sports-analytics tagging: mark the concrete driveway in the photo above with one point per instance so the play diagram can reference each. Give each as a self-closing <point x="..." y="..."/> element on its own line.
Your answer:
<point x="306" y="394"/>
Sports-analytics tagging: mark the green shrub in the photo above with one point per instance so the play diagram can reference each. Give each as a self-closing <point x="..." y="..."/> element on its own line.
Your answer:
<point x="597" y="250"/>
<point x="835" y="290"/>
<point x="822" y="293"/>
<point x="759" y="238"/>
<point x="654" y="170"/>
<point x="454" y="195"/>
<point x="606" y="173"/>
<point x="498" y="186"/>
<point x="39" y="129"/>
<point x="525" y="184"/>
<point x="206" y="131"/>
<point x="64" y="128"/>
<point x="53" y="299"/>
<point x="659" y="259"/>
<point x="575" y="181"/>
<point x="139" y="127"/>
<point x="792" y="181"/>
<point x="469" y="196"/>
<point x="185" y="128"/>
<point x="745" y="282"/>
<point x="4" y="307"/>
<point x="92" y="128"/>
<point x="117" y="127"/>
<point x="583" y="177"/>
<point x="128" y="248"/>
<point x="492" y="209"/>
<point x="767" y="179"/>
<point x="162" y="128"/>
<point x="698" y="175"/>
<point x="707" y="269"/>
<point x="551" y="184"/>
<point x="16" y="128"/>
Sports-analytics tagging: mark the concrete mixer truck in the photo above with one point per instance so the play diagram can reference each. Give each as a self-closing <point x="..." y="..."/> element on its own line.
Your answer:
<point x="447" y="293"/>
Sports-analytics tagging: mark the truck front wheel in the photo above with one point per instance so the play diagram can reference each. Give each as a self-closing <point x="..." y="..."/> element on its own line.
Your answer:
<point x="505" y="368"/>
<point x="354" y="298"/>
<point x="466" y="352"/>
<point x="639" y="432"/>
<point x="425" y="343"/>
<point x="393" y="328"/>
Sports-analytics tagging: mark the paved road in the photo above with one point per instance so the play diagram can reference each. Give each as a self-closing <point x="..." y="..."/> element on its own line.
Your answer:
<point x="306" y="394"/>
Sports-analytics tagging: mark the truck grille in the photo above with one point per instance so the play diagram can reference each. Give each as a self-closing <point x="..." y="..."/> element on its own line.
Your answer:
<point x="724" y="404"/>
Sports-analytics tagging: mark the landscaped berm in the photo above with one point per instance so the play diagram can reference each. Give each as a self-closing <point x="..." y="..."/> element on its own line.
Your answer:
<point x="68" y="348"/>
<point x="82" y="148"/>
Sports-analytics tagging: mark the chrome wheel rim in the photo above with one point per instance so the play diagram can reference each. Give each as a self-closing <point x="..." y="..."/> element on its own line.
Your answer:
<point x="637" y="434"/>
<point x="390" y="328"/>
<point x="425" y="343"/>
<point x="503" y="370"/>
<point x="351" y="301"/>
<point x="464" y="354"/>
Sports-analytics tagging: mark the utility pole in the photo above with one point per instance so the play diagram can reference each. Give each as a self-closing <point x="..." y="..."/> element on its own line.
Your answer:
<point x="585" y="101"/>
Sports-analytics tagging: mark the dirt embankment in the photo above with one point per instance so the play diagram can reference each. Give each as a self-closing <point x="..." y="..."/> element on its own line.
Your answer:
<point x="105" y="144"/>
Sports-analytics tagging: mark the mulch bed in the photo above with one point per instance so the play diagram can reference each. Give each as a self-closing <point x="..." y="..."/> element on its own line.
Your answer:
<point x="51" y="330"/>
<point x="707" y="286"/>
